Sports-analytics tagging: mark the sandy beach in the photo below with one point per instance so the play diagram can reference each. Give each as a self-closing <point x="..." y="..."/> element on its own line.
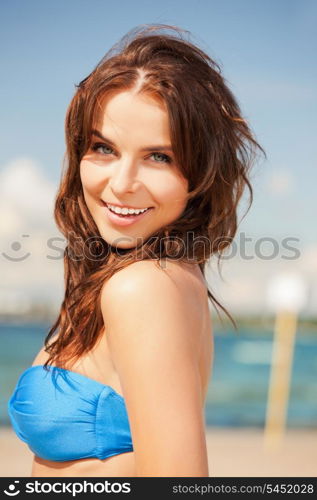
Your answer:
<point x="231" y="453"/>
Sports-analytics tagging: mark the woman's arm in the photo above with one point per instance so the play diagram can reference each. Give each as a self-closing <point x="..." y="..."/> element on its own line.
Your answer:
<point x="151" y="335"/>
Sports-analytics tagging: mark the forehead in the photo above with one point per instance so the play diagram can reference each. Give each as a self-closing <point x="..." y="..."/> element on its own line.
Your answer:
<point x="132" y="116"/>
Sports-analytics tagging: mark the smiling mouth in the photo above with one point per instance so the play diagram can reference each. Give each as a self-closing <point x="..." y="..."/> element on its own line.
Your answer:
<point x="125" y="212"/>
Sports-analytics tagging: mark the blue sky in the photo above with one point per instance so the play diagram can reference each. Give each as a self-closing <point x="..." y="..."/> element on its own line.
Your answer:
<point x="267" y="51"/>
<point x="266" y="48"/>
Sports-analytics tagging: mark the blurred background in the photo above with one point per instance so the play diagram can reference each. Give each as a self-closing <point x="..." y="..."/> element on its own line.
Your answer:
<point x="261" y="412"/>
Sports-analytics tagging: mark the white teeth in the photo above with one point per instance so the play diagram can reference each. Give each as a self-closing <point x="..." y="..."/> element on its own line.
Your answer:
<point x="125" y="210"/>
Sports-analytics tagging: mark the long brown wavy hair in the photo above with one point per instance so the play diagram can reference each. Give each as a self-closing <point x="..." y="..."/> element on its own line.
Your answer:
<point x="213" y="147"/>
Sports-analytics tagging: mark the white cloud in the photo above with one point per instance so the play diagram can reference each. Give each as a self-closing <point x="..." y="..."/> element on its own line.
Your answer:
<point x="281" y="182"/>
<point x="308" y="261"/>
<point x="245" y="284"/>
<point x="27" y="222"/>
<point x="25" y="194"/>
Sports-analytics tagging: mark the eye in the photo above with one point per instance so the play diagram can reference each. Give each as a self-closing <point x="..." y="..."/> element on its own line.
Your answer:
<point x="161" y="158"/>
<point x="102" y="148"/>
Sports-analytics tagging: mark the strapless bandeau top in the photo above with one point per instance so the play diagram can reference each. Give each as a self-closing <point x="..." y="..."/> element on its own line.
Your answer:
<point x="68" y="417"/>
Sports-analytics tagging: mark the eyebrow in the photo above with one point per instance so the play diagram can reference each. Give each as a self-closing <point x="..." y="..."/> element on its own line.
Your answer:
<point x="148" y="148"/>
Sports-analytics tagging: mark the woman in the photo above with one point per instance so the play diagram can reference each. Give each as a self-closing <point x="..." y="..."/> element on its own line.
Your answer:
<point x="158" y="158"/>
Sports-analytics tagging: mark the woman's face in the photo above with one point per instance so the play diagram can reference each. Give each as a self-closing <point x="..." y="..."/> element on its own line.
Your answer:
<point x="130" y="168"/>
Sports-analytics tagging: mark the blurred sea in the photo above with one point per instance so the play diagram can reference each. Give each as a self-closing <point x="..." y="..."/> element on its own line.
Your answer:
<point x="238" y="389"/>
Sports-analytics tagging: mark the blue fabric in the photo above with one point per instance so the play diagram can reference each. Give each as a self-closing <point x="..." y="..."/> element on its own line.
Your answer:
<point x="68" y="417"/>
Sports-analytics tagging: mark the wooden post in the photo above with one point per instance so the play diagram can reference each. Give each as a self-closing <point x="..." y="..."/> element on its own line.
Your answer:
<point x="280" y="378"/>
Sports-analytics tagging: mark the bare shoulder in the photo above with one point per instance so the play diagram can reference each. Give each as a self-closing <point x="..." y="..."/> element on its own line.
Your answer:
<point x="168" y="275"/>
<point x="134" y="275"/>
<point x="169" y="287"/>
<point x="151" y="323"/>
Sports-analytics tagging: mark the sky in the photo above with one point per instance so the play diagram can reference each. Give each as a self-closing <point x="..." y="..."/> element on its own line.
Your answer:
<point x="267" y="53"/>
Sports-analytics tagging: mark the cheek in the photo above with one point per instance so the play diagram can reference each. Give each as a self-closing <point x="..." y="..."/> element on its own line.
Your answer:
<point x="171" y="190"/>
<point x="85" y="178"/>
<point x="91" y="177"/>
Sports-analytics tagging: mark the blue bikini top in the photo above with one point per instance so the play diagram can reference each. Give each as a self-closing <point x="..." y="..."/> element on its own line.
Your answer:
<point x="68" y="417"/>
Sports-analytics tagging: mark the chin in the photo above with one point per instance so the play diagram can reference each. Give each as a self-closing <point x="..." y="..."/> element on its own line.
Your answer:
<point x="125" y="241"/>
<point x="121" y="242"/>
<point x="123" y="246"/>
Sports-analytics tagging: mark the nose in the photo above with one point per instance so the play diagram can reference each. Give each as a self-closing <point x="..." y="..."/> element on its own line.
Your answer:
<point x="123" y="178"/>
